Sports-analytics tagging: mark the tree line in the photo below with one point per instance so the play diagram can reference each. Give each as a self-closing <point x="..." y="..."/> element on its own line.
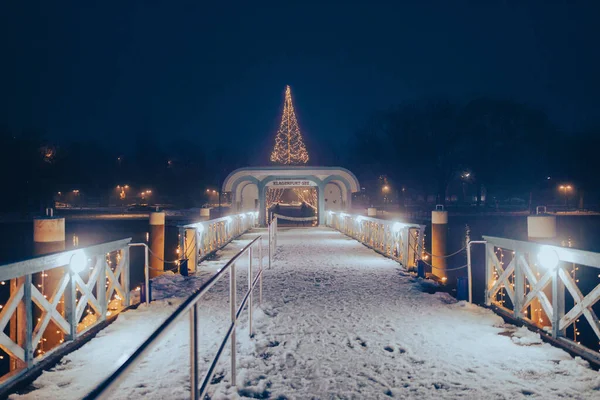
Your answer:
<point x="507" y="147"/>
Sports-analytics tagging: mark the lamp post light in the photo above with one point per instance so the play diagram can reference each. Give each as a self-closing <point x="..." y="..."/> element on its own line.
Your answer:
<point x="566" y="189"/>
<point x="385" y="190"/>
<point x="465" y="179"/>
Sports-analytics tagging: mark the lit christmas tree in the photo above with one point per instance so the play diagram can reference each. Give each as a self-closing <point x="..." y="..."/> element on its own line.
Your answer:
<point x="289" y="147"/>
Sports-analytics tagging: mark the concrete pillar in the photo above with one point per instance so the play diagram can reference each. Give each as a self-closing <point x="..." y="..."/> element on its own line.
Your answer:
<point x="321" y="201"/>
<point x="439" y="238"/>
<point x="262" y="204"/>
<point x="190" y="249"/>
<point x="542" y="229"/>
<point x="157" y="243"/>
<point x="48" y="237"/>
<point x="205" y="212"/>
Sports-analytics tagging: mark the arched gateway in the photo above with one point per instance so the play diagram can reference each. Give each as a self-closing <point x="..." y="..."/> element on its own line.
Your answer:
<point x="250" y="187"/>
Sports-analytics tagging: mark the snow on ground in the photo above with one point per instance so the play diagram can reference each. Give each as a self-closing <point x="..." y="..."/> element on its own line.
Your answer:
<point x="338" y="321"/>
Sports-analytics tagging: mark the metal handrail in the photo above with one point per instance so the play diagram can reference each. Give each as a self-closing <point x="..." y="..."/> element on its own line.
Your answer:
<point x="104" y="389"/>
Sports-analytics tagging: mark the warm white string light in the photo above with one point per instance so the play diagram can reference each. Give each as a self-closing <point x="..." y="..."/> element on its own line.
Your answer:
<point x="289" y="146"/>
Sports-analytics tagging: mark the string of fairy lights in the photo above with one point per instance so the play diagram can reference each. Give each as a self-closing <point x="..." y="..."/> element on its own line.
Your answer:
<point x="308" y="196"/>
<point x="537" y="315"/>
<point x="289" y="146"/>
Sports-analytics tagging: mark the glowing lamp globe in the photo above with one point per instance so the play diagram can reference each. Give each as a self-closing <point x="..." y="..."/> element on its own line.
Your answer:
<point x="78" y="262"/>
<point x="548" y="258"/>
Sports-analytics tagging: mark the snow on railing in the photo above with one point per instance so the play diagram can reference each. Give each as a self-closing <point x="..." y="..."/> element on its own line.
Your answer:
<point x="534" y="282"/>
<point x="202" y="238"/>
<point x="85" y="286"/>
<point x="190" y="307"/>
<point x="397" y="240"/>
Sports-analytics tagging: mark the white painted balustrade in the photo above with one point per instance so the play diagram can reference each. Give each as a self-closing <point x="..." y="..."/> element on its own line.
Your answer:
<point x="400" y="241"/>
<point x="529" y="281"/>
<point x="88" y="285"/>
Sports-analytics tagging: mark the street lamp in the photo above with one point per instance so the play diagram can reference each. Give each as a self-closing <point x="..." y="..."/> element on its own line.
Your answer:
<point x="565" y="189"/>
<point x="385" y="190"/>
<point x="465" y="178"/>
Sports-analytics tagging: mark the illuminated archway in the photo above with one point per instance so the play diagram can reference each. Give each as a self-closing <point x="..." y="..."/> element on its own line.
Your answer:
<point x="290" y="177"/>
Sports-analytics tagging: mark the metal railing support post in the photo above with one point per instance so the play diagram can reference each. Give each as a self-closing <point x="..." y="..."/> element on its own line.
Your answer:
<point x="251" y="290"/>
<point x="232" y="302"/>
<point x="260" y="266"/>
<point x="146" y="269"/>
<point x="470" y="267"/>
<point x="194" y="352"/>
<point x="270" y="243"/>
<point x="489" y="269"/>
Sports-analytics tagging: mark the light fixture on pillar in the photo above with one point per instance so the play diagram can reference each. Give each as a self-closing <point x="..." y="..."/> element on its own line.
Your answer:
<point x="548" y="258"/>
<point x="78" y="262"/>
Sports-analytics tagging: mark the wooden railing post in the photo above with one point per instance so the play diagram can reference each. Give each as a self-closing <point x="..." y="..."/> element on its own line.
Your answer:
<point x="519" y="288"/>
<point x="558" y="302"/>
<point x="125" y="276"/>
<point x="28" y="304"/>
<point x="101" y="288"/>
<point x="489" y="272"/>
<point x="71" y="305"/>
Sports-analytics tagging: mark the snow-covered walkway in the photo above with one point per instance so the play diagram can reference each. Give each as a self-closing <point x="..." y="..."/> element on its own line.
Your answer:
<point x="339" y="321"/>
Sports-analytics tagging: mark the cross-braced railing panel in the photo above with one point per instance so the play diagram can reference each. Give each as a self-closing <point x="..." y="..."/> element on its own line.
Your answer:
<point x="542" y="294"/>
<point x="202" y="238"/>
<point x="49" y="296"/>
<point x="13" y="349"/>
<point x="402" y="242"/>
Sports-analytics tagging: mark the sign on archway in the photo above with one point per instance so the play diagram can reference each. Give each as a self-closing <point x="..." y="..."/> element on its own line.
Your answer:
<point x="286" y="183"/>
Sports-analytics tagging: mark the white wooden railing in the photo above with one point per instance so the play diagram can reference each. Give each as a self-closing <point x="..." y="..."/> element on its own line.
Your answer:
<point x="400" y="241"/>
<point x="529" y="281"/>
<point x="88" y="285"/>
<point x="200" y="239"/>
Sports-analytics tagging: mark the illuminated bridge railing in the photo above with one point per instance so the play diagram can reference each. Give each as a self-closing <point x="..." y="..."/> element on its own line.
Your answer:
<point x="549" y="287"/>
<point x="200" y="239"/>
<point x="56" y="298"/>
<point x="397" y="240"/>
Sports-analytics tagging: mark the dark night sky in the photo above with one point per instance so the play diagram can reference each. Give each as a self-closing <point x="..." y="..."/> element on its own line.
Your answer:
<point x="214" y="73"/>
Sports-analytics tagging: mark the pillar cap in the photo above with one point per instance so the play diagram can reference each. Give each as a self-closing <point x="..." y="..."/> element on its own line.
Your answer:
<point x="157" y="218"/>
<point x="541" y="226"/>
<point x="439" y="217"/>
<point x="49" y="229"/>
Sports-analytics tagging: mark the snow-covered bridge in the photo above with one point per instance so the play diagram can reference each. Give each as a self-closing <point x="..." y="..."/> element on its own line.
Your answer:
<point x="337" y="320"/>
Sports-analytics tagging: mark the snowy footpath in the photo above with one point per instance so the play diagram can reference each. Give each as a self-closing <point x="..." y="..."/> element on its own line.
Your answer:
<point x="338" y="321"/>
